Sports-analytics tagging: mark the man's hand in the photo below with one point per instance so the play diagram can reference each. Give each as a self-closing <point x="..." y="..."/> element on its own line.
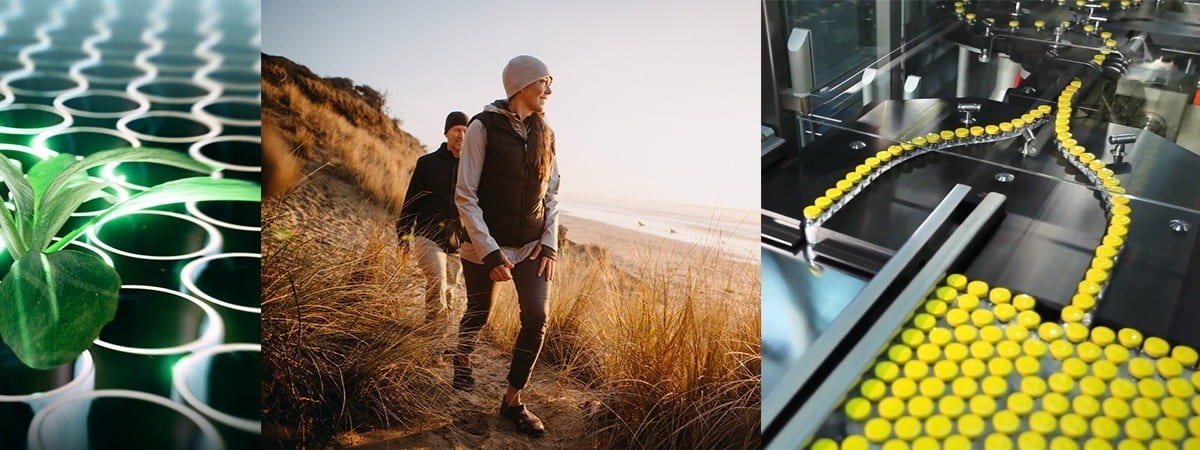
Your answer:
<point x="547" y="264"/>
<point x="501" y="272"/>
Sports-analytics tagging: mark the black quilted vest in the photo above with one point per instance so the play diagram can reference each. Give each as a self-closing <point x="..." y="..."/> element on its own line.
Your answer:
<point x="510" y="193"/>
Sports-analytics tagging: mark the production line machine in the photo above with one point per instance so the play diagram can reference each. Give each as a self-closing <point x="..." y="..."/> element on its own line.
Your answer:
<point x="980" y="224"/>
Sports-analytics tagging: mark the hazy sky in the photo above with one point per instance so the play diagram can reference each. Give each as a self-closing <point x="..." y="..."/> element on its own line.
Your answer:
<point x="652" y="99"/>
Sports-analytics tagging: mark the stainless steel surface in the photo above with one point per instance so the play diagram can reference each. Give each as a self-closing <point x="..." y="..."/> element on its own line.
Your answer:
<point x="834" y="387"/>
<point x="798" y="373"/>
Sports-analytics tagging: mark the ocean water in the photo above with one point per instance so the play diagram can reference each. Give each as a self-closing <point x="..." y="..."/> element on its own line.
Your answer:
<point x="733" y="230"/>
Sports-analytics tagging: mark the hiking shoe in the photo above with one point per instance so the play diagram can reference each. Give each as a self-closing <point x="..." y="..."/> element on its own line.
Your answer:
<point x="463" y="380"/>
<point x="526" y="422"/>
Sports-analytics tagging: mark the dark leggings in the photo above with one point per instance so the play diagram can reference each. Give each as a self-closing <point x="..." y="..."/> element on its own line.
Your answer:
<point x="533" y="293"/>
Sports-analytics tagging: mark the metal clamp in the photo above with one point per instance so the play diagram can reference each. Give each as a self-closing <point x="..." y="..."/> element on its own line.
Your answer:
<point x="1030" y="147"/>
<point x="968" y="109"/>
<point x="1119" y="141"/>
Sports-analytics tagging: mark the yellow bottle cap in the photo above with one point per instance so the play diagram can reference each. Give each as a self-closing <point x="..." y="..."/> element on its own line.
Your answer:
<point x="1006" y="421"/>
<point x="957" y="281"/>
<point x="1061" y="349"/>
<point x="858" y="409"/>
<point x="862" y="170"/>
<point x="994" y="386"/>
<point x="907" y="146"/>
<point x="1194" y="424"/>
<point x="1041" y="421"/>
<point x="916" y="369"/>
<point x="895" y="150"/>
<point x="1089" y="352"/>
<point x="853" y="177"/>
<point x="1016" y="333"/>
<point x="924" y="322"/>
<point x="1115" y="408"/>
<point x="1120" y="200"/>
<point x="887" y="370"/>
<point x="877" y="430"/>
<point x="957" y="316"/>
<point x="1014" y="24"/>
<point x="812" y="212"/>
<point x="1055" y="403"/>
<point x="991" y="334"/>
<point x="970" y="425"/>
<point x="965" y="333"/>
<point x="977" y="288"/>
<point x="1031" y="440"/>
<point x="1106" y="34"/>
<point x="1156" y="347"/>
<point x="1072" y="314"/>
<point x="933" y="387"/>
<point x="1045" y="108"/>
<point x="962" y="132"/>
<point x="844" y="185"/>
<point x="973" y="368"/>
<point x="1075" y="331"/>
<point x="833" y="193"/>
<point x="929" y="352"/>
<point x="1016" y="123"/>
<point x="1144" y="408"/>
<point x="907" y="428"/>
<point x="932" y="138"/>
<point x="945" y="370"/>
<point x="992" y="130"/>
<point x="1076" y="150"/>
<point x="918" y="141"/>
<point x="1141" y="367"/>
<point x="1060" y="383"/>
<point x="1050" y="331"/>
<point x="976" y="131"/>
<point x="947" y="135"/>
<point x="1170" y="429"/>
<point x="1104" y="369"/>
<point x="1071" y="426"/>
<point x="873" y="389"/>
<point x="999" y="295"/>
<point x="1034" y="348"/>
<point x="1116" y="353"/>
<point x="904" y="388"/>
<point x="956" y="352"/>
<point x="1181" y="388"/>
<point x="938" y="426"/>
<point x="1168" y="367"/>
<point x="1174" y="408"/>
<point x="959" y="442"/>
<point x="951" y="406"/>
<point x="982" y="350"/>
<point x="1104" y="428"/>
<point x="1033" y="386"/>
<point x="1196" y="383"/>
<point x="1093" y="386"/>
<point x="1027" y="365"/>
<point x="1074" y="368"/>
<point x="1122" y="388"/>
<point x="1088" y="287"/>
<point x="920" y="407"/>
<point x="1085" y="405"/>
<point x="894" y="444"/>
<point x="1028" y="319"/>
<point x="1139" y="428"/>
<point x="1151" y="388"/>
<point x="968" y="302"/>
<point x="1000" y="367"/>
<point x="900" y="354"/>
<point x="1087" y="28"/>
<point x="1005" y="312"/>
<point x="1130" y="337"/>
<point x="1114" y="242"/>
<point x="1008" y="349"/>
<point x="824" y="444"/>
<point x="1069" y="143"/>
<point x="983" y="405"/>
<point x="912" y="337"/>
<point x="1083" y="301"/>
<point x="1006" y="126"/>
<point x="891" y="408"/>
<point x="925" y="443"/>
<point x="855" y="442"/>
<point x="945" y="293"/>
<point x="1087" y="158"/>
<point x="940" y="336"/>
<point x="964" y="387"/>
<point x="981" y="317"/>
<point x="997" y="442"/>
<point x="1120" y="220"/>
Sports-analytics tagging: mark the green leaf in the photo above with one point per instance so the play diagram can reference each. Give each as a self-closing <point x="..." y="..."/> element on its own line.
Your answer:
<point x="124" y="154"/>
<point x="15" y="227"/>
<point x="52" y="216"/>
<point x="196" y="189"/>
<point x="43" y="173"/>
<point x="55" y="305"/>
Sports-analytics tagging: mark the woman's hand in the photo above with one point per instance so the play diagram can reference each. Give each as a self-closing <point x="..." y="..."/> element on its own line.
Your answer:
<point x="546" y="265"/>
<point x="501" y="272"/>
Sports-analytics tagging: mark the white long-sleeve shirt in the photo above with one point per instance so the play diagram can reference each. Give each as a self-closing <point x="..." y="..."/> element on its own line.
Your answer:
<point x="470" y="167"/>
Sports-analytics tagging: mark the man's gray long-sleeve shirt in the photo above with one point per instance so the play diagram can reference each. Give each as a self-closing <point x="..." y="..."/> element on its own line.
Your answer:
<point x="470" y="167"/>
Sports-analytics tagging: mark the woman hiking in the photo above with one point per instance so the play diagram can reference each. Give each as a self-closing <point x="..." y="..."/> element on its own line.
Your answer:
<point x="506" y="197"/>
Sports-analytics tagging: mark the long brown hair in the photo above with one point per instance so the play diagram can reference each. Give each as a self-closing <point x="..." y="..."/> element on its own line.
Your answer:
<point x="542" y="138"/>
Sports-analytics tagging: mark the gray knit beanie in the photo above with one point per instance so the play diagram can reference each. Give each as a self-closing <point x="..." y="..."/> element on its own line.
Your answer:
<point x="522" y="71"/>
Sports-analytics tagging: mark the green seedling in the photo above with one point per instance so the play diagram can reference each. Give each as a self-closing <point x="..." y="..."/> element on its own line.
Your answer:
<point x="54" y="302"/>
